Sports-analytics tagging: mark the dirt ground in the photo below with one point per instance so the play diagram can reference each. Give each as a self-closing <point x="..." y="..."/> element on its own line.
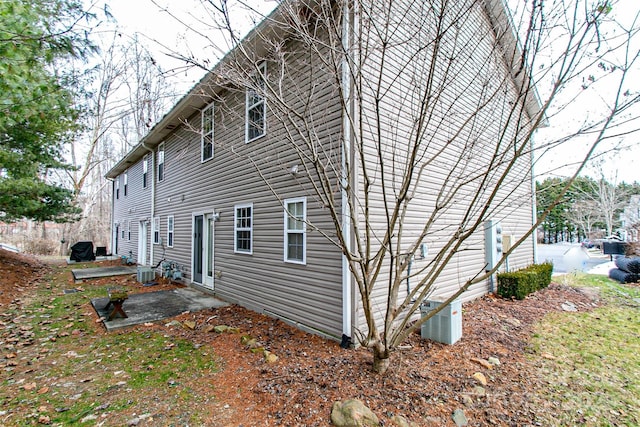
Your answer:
<point x="427" y="383"/>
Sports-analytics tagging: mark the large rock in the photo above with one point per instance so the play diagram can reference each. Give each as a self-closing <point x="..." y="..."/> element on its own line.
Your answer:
<point x="353" y="413"/>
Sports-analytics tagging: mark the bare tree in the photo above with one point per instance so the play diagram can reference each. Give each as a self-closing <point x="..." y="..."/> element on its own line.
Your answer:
<point x="125" y="93"/>
<point x="438" y="113"/>
<point x="584" y="214"/>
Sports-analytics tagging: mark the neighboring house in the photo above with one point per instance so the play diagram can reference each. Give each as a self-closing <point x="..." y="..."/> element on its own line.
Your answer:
<point x="630" y="220"/>
<point x="211" y="184"/>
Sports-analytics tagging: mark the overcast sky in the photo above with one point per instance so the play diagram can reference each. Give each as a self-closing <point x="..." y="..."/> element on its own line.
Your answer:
<point x="155" y="21"/>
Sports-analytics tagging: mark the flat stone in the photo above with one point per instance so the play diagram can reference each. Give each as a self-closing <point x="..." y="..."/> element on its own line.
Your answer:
<point x="479" y="391"/>
<point x="353" y="413"/>
<point x="459" y="418"/>
<point x="189" y="324"/>
<point x="467" y="400"/>
<point x="479" y="376"/>
<point x="482" y="362"/>
<point x="401" y="421"/>
<point x="494" y="361"/>
<point x="270" y="357"/>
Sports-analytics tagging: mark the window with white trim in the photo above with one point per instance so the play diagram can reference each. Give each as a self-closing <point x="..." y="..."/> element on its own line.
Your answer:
<point x="122" y="231"/>
<point x="170" y="225"/>
<point x="161" y="162"/>
<point x="129" y="230"/>
<point x="155" y="230"/>
<point x="295" y="230"/>
<point x="125" y="181"/>
<point x="206" y="138"/>
<point x="243" y="228"/>
<point x="145" y="170"/>
<point x="256" y="107"/>
<point x="118" y="189"/>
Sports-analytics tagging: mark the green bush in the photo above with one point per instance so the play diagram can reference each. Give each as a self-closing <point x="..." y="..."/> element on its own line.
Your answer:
<point x="518" y="284"/>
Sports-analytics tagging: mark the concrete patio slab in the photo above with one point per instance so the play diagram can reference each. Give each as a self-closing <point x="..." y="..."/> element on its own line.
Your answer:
<point x="94" y="273"/>
<point x="153" y="306"/>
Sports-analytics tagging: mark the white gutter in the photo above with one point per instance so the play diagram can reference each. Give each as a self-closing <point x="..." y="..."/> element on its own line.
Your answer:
<point x="345" y="154"/>
<point x="112" y="219"/>
<point x="534" y="209"/>
<point x="153" y="198"/>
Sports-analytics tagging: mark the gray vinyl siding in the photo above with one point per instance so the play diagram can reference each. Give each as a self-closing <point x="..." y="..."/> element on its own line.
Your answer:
<point x="472" y="67"/>
<point x="308" y="295"/>
<point x="133" y="209"/>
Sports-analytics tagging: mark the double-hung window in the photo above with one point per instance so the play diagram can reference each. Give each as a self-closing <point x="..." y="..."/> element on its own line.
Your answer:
<point x="170" y="226"/>
<point x="125" y="181"/>
<point x="145" y="170"/>
<point x="117" y="183"/>
<point x="129" y="230"/>
<point x="206" y="140"/>
<point x="256" y="114"/>
<point x="295" y="230"/>
<point x="156" y="230"/>
<point x="243" y="229"/>
<point x="161" y="162"/>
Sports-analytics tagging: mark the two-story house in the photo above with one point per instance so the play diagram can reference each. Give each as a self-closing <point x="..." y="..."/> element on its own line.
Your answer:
<point x="326" y="124"/>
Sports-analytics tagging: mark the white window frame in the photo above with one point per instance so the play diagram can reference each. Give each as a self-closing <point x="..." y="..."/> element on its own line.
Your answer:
<point x="255" y="101"/>
<point x="237" y="229"/>
<point x="206" y="136"/>
<point x="170" y="230"/>
<point x="118" y="190"/>
<point x="129" y="230"/>
<point x="155" y="230"/>
<point x="145" y="171"/>
<point x="161" y="168"/>
<point x="303" y="231"/>
<point x="125" y="182"/>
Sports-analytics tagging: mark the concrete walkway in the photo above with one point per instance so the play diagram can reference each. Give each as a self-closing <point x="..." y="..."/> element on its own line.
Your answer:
<point x="153" y="306"/>
<point x="93" y="273"/>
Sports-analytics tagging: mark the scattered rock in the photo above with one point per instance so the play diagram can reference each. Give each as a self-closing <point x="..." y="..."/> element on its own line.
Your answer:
<point x="208" y="329"/>
<point x="220" y="328"/>
<point x="189" y="324"/>
<point x="482" y="362"/>
<point x="569" y="306"/>
<point x="513" y="322"/>
<point x="248" y="340"/>
<point x="352" y="413"/>
<point x="467" y="400"/>
<point x="401" y="421"/>
<point x="494" y="361"/>
<point x="479" y="376"/>
<point x="270" y="357"/>
<point x="44" y="419"/>
<point x="479" y="391"/>
<point x="459" y="418"/>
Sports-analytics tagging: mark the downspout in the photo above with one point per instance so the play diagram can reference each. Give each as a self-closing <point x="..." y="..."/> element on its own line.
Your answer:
<point x="345" y="155"/>
<point x="153" y="199"/>
<point x="534" y="210"/>
<point x="113" y="237"/>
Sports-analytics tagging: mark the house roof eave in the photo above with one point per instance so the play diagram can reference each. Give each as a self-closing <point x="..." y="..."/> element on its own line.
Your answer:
<point x="198" y="96"/>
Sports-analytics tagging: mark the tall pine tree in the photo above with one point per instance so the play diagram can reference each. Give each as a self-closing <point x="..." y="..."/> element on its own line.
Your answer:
<point x="37" y="112"/>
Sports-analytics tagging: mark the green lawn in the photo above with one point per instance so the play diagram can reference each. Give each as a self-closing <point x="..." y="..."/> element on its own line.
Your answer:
<point x="591" y="360"/>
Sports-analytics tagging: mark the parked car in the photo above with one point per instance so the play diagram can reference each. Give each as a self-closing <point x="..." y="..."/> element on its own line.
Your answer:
<point x="586" y="243"/>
